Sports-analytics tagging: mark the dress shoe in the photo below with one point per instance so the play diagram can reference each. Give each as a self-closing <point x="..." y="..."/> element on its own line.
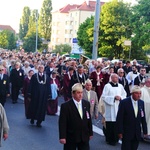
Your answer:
<point x="38" y="125"/>
<point x="32" y="121"/>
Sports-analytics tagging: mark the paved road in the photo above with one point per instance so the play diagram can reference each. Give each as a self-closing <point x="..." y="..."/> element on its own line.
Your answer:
<point x="24" y="136"/>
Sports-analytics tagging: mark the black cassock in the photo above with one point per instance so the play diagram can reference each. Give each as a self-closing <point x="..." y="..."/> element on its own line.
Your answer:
<point x="39" y="92"/>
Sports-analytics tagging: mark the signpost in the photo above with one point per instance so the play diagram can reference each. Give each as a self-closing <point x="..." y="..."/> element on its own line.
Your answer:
<point x="128" y="43"/>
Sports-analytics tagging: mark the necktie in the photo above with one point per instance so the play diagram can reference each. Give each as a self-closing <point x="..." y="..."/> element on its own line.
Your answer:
<point x="79" y="109"/>
<point x="88" y="94"/>
<point x="135" y="109"/>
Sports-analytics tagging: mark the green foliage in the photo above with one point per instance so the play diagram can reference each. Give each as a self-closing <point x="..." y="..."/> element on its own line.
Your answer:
<point x="115" y="28"/>
<point x="45" y="19"/>
<point x="30" y="38"/>
<point x="62" y="49"/>
<point x="24" y="21"/>
<point x="141" y="23"/>
<point x="7" y="40"/>
<point x="3" y="40"/>
<point x="85" y="35"/>
<point x="30" y="42"/>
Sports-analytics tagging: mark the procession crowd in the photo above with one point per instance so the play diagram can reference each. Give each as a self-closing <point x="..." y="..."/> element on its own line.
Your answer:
<point x="120" y="93"/>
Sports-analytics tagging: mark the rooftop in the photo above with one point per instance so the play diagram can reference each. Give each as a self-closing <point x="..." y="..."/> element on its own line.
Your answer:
<point x="7" y="27"/>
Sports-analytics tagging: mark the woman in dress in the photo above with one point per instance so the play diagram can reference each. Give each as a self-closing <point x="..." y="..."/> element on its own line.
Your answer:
<point x="98" y="81"/>
<point x="66" y="83"/>
<point x="53" y="102"/>
<point x="25" y="90"/>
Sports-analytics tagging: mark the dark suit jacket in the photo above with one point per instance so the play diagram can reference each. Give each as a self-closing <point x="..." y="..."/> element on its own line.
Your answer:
<point x="17" y="78"/>
<point x="4" y="85"/>
<point x="48" y="72"/>
<point x="125" y="84"/>
<point x="71" y="126"/>
<point x="127" y="123"/>
<point x="137" y="81"/>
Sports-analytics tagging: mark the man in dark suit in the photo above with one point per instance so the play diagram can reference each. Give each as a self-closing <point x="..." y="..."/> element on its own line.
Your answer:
<point x="122" y="80"/>
<point x="75" y="125"/>
<point x="78" y="77"/>
<point x="50" y="68"/>
<point x="16" y="79"/>
<point x="130" y="118"/>
<point x="4" y="86"/>
<point x="140" y="79"/>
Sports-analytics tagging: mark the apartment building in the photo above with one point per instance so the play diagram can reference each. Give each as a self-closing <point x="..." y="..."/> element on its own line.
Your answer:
<point x="66" y="21"/>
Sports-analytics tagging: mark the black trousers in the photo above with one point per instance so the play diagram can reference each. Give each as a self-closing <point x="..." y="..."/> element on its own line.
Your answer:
<point x="111" y="133"/>
<point x="14" y="93"/>
<point x="77" y="146"/>
<point x="2" y="99"/>
<point x="129" y="144"/>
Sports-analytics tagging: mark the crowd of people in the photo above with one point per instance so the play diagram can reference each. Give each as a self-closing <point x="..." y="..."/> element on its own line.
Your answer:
<point x="89" y="89"/>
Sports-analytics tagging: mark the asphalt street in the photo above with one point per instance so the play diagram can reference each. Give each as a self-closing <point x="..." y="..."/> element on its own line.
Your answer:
<point x="23" y="136"/>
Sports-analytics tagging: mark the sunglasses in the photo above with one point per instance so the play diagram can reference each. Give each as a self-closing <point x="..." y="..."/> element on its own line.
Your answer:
<point x="121" y="72"/>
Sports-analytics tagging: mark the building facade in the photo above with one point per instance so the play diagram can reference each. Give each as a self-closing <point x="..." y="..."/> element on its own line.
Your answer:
<point x="66" y="21"/>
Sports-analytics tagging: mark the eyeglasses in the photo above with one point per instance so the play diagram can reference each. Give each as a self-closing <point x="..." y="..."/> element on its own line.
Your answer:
<point x="143" y="70"/>
<point x="1" y="69"/>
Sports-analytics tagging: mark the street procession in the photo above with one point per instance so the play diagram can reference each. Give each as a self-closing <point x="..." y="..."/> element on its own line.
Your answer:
<point x="75" y="75"/>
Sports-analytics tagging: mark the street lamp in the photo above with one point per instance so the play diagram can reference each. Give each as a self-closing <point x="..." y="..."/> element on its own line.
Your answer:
<point x="36" y="18"/>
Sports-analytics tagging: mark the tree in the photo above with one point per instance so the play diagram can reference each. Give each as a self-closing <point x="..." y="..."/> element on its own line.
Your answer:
<point x="141" y="23"/>
<point x="24" y="21"/>
<point x="115" y="28"/>
<point x="30" y="38"/>
<point x="62" y="49"/>
<point x="45" y="20"/>
<point x="3" y="40"/>
<point x="7" y="40"/>
<point x="85" y="35"/>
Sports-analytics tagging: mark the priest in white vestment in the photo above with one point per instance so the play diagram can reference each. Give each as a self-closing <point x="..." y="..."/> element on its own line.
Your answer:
<point x="145" y="96"/>
<point x="113" y="92"/>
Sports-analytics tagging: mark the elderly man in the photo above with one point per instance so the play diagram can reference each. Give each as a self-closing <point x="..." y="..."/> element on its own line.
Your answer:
<point x="75" y="125"/>
<point x="78" y="77"/>
<point x="91" y="96"/>
<point x="16" y="79"/>
<point x="130" y="118"/>
<point x="112" y="94"/>
<point x="4" y="86"/>
<point x="145" y="96"/>
<point x="39" y="92"/>
<point x="123" y="81"/>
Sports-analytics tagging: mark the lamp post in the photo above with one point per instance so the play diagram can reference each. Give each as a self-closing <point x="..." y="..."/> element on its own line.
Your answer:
<point x="36" y="17"/>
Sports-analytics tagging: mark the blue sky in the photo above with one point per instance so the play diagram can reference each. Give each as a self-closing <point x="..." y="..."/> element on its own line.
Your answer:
<point x="11" y="10"/>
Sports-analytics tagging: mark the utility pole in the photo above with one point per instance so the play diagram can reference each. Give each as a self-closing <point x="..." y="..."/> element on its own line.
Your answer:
<point x="96" y="30"/>
<point x="36" y="17"/>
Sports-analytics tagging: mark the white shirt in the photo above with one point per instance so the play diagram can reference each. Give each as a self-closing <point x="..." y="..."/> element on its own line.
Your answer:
<point x="77" y="103"/>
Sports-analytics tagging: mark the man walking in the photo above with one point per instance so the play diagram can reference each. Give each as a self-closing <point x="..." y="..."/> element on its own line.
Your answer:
<point x="130" y="118"/>
<point x="75" y="125"/>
